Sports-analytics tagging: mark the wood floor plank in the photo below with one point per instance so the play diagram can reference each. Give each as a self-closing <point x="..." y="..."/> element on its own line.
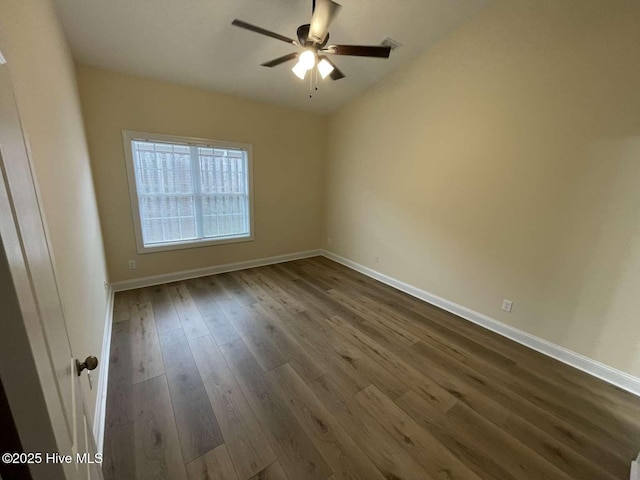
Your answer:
<point x="252" y="330"/>
<point x="246" y="443"/>
<point x="479" y="435"/>
<point x="302" y="328"/>
<point x="296" y="452"/>
<point x="436" y="459"/>
<point x="450" y="341"/>
<point x="249" y="284"/>
<point x="272" y="472"/>
<point x="391" y="363"/>
<point x="281" y="270"/>
<point x="626" y="427"/>
<point x="190" y="317"/>
<point x="272" y="328"/>
<point x="119" y="450"/>
<point x="539" y="441"/>
<point x="342" y="454"/>
<point x="197" y="425"/>
<point x="502" y="387"/>
<point x="121" y="307"/>
<point x="324" y="302"/>
<point x="213" y="316"/>
<point x="119" y="442"/>
<point x="138" y="296"/>
<point x="327" y="275"/>
<point x="146" y="358"/>
<point x="557" y="453"/>
<point x="386" y="453"/>
<point x="620" y="403"/>
<point x="213" y="465"/>
<point x="307" y="296"/>
<point x="235" y="289"/>
<point x="315" y="371"/>
<point x="313" y="293"/>
<point x="281" y="295"/>
<point x="581" y="405"/>
<point x="601" y="393"/>
<point x="317" y="342"/>
<point x="414" y="324"/>
<point x="308" y="273"/>
<point x="573" y="409"/>
<point x="379" y="324"/>
<point x="271" y="347"/>
<point x="119" y="405"/>
<point x="494" y="402"/>
<point x="367" y="366"/>
<point x="459" y="442"/>
<point x="545" y="445"/>
<point x="297" y="267"/>
<point x="157" y="448"/>
<point x="164" y="312"/>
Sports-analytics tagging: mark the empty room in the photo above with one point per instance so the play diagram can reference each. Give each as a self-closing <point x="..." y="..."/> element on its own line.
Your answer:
<point x="320" y="240"/>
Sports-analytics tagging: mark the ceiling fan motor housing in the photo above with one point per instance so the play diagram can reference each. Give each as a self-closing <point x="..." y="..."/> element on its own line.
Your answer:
<point x="303" y="37"/>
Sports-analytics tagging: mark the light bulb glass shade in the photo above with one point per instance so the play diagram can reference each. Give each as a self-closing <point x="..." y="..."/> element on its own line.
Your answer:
<point x="307" y="59"/>
<point x="299" y="70"/>
<point x="325" y="68"/>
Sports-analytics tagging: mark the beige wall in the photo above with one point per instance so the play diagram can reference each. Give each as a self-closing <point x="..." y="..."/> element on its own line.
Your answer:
<point x="505" y="163"/>
<point x="43" y="77"/>
<point x="288" y="153"/>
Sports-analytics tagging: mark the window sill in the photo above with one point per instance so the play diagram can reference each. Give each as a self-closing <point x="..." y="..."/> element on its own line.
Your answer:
<point x="163" y="247"/>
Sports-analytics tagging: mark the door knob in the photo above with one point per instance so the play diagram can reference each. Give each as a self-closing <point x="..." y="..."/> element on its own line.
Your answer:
<point x="90" y="363"/>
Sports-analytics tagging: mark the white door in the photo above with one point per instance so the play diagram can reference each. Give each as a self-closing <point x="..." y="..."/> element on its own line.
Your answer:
<point x="29" y="267"/>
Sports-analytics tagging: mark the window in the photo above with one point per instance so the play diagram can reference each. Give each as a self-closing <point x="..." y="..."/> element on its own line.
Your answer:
<point x="188" y="192"/>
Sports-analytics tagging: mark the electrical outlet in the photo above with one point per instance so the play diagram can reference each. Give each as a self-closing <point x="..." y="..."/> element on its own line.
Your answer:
<point x="506" y="305"/>
<point x="106" y="285"/>
<point x="329" y="241"/>
<point x="132" y="264"/>
<point x="376" y="259"/>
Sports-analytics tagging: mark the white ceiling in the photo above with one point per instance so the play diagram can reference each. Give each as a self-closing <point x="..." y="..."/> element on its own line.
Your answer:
<point x="192" y="42"/>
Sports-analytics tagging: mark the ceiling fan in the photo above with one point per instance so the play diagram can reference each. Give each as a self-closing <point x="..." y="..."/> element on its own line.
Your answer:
<point x="313" y="39"/>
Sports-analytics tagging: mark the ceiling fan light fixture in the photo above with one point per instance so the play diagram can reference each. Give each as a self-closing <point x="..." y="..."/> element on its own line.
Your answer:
<point x="307" y="59"/>
<point x="325" y="68"/>
<point x="300" y="70"/>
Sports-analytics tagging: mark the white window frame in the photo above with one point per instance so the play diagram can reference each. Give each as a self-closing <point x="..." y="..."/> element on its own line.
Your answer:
<point x="129" y="136"/>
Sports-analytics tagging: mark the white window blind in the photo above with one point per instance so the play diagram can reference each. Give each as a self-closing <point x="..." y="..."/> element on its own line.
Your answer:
<point x="188" y="192"/>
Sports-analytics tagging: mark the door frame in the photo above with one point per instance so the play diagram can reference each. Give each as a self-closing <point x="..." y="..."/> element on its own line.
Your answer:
<point x="26" y="368"/>
<point x="19" y="372"/>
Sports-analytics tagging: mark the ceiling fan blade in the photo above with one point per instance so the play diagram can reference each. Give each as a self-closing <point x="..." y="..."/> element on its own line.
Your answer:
<point x="262" y="31"/>
<point x="323" y="14"/>
<point x="378" y="51"/>
<point x="336" y="74"/>
<point x="278" y="61"/>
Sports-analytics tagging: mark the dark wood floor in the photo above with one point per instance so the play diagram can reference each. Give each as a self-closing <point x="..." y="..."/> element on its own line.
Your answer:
<point x="309" y="370"/>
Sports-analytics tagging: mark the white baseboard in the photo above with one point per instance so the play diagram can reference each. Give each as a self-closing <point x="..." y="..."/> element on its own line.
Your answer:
<point x="604" y="372"/>
<point x="101" y="393"/>
<point x="202" y="272"/>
